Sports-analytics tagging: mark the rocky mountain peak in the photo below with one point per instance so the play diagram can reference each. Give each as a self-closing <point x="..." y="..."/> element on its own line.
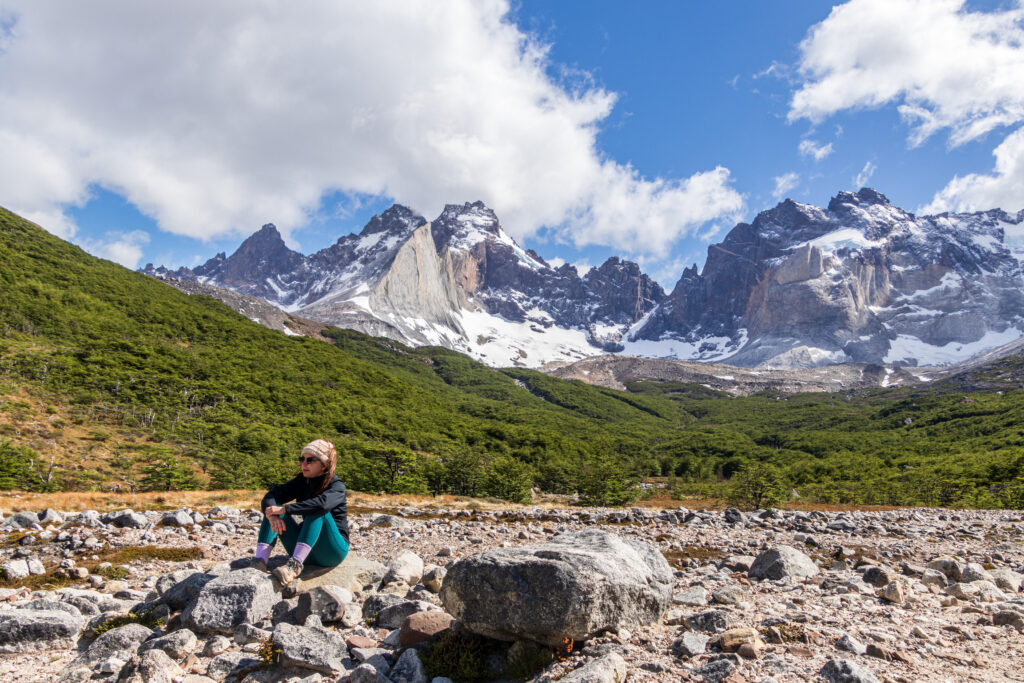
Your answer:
<point x="863" y="197"/>
<point x="397" y="220"/>
<point x="464" y="226"/>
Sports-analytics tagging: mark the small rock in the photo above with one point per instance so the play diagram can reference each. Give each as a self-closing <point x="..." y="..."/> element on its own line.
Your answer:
<point x="224" y="665"/>
<point x="782" y="562"/>
<point x="405" y="567"/>
<point x="434" y="578"/>
<point x="409" y="669"/>
<point x="422" y="626"/>
<point x="846" y="671"/>
<point x="717" y="669"/>
<point x="896" y="591"/>
<point x="851" y="644"/>
<point x="1009" y="618"/>
<point x="178" y="644"/>
<point x="366" y="673"/>
<point x="710" y="621"/>
<point x="326" y="602"/>
<point x="690" y="644"/>
<point x="215" y="646"/>
<point x="695" y="596"/>
<point x="608" y="669"/>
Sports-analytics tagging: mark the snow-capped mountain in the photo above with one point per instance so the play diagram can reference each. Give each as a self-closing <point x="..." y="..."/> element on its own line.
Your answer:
<point x="860" y="281"/>
<point x="801" y="286"/>
<point x="459" y="281"/>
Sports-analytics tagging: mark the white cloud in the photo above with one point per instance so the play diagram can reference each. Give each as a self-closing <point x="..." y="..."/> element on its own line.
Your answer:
<point x="862" y="178"/>
<point x="583" y="267"/>
<point x="556" y="261"/>
<point x="946" y="68"/>
<point x="214" y="118"/>
<point x="121" y="247"/>
<point x="784" y="183"/>
<point x="810" y="148"/>
<point x="1003" y="189"/>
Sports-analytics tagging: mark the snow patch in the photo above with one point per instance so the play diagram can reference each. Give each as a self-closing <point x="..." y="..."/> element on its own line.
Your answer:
<point x="907" y="347"/>
<point x="845" y="238"/>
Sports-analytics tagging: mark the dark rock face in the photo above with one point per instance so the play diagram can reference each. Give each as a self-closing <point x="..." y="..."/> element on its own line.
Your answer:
<point x="862" y="281"/>
<point x="571" y="587"/>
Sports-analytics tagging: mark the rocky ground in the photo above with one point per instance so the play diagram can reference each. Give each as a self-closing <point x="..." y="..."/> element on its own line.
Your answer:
<point x="904" y="595"/>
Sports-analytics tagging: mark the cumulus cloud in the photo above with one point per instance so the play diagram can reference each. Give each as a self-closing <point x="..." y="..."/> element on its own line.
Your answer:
<point x="810" y="148"/>
<point x="120" y="247"/>
<point x="1004" y="188"/>
<point x="784" y="183"/>
<point x="862" y="178"/>
<point x="214" y="118"/>
<point x="945" y="67"/>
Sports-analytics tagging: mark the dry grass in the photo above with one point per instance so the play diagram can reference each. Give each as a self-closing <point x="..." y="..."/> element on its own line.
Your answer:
<point x="17" y="501"/>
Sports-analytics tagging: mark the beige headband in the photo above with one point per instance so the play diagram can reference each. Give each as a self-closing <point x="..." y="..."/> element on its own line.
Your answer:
<point x="319" y="449"/>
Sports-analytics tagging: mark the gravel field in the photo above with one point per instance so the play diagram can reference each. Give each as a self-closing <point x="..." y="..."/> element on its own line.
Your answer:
<point x="877" y="598"/>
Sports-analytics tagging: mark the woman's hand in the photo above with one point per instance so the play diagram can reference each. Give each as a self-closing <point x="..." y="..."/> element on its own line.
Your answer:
<point x="274" y="516"/>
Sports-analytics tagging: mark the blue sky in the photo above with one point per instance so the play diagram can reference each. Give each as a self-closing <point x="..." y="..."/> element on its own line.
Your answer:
<point x="594" y="128"/>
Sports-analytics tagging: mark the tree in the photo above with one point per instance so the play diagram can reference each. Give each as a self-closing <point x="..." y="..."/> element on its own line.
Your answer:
<point x="509" y="479"/>
<point x="15" y="472"/>
<point x="167" y="473"/>
<point x="758" y="485"/>
<point x="605" y="480"/>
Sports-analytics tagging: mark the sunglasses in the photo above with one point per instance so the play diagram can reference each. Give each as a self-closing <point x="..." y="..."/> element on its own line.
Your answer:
<point x="308" y="461"/>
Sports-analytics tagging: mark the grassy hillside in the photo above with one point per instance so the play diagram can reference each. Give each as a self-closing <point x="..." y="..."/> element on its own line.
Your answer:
<point x="119" y="377"/>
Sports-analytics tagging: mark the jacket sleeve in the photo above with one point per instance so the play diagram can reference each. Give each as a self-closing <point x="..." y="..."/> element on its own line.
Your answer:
<point x="282" y="493"/>
<point x="319" y="504"/>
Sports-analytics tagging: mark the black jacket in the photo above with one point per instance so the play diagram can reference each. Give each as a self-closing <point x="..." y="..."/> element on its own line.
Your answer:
<point x="308" y="502"/>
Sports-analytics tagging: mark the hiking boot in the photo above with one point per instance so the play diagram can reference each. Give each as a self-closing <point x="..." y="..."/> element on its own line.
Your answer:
<point x="287" y="573"/>
<point x="259" y="563"/>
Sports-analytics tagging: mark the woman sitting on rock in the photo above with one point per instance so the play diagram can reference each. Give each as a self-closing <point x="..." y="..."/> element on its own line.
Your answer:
<point x="319" y="498"/>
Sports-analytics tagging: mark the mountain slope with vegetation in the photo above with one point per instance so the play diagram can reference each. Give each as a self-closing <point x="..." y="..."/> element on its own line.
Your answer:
<point x="120" y="378"/>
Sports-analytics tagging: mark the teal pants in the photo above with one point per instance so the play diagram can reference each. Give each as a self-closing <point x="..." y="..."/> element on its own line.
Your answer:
<point x="319" y="532"/>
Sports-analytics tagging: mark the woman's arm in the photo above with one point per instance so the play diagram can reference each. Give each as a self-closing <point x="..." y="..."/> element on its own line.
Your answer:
<point x="333" y="497"/>
<point x="280" y="494"/>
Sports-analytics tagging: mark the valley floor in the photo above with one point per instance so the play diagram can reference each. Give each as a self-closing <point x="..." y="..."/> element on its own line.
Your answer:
<point x="931" y="636"/>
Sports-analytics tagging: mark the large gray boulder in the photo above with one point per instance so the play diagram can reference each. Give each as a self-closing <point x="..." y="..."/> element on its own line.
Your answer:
<point x="128" y="519"/>
<point x="28" y="630"/>
<point x="244" y="596"/>
<point x="181" y="594"/>
<point x="782" y="562"/>
<point x="573" y="587"/>
<point x="21" y="520"/>
<point x="353" y="574"/>
<point x="118" y="643"/>
<point x="315" y="648"/>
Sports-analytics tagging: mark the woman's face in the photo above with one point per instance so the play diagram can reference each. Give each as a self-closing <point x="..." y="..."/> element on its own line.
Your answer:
<point x="311" y="467"/>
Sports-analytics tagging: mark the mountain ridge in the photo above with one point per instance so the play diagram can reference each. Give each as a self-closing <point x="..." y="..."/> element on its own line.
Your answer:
<point x="860" y="281"/>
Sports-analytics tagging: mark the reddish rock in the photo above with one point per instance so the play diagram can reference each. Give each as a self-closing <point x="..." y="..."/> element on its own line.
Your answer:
<point x="422" y="626"/>
<point x="360" y="641"/>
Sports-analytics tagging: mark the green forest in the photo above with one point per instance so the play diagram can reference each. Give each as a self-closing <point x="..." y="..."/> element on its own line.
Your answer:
<point x="182" y="392"/>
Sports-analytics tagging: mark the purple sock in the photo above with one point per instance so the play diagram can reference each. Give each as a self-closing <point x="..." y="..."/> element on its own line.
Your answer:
<point x="301" y="552"/>
<point x="263" y="551"/>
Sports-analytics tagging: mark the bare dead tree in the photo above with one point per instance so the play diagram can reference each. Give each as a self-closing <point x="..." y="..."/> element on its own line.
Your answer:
<point x="44" y="479"/>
